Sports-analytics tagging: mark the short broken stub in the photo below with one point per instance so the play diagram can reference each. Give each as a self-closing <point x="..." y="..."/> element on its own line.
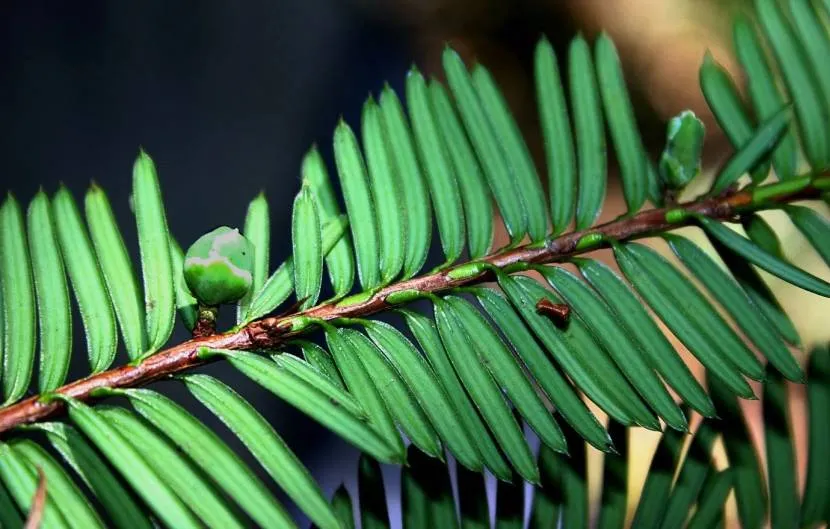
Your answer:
<point x="558" y="313"/>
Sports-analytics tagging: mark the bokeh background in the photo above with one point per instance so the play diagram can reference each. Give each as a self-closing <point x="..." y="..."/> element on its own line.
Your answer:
<point x="228" y="96"/>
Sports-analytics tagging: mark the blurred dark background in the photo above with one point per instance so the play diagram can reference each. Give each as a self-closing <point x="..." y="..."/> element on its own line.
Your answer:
<point x="228" y="96"/>
<point x="225" y="96"/>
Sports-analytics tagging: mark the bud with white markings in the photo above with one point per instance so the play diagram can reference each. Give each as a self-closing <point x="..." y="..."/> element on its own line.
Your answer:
<point x="217" y="267"/>
<point x="680" y="161"/>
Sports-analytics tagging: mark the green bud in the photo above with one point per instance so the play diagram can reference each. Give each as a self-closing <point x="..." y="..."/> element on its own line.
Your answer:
<point x="217" y="267"/>
<point x="680" y="161"/>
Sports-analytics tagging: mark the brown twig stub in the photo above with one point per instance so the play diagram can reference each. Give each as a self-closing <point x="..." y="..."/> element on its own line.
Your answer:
<point x="35" y="517"/>
<point x="272" y="332"/>
<point x="558" y="313"/>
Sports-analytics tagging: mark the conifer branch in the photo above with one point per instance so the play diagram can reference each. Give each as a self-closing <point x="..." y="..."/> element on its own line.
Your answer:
<point x="272" y="332"/>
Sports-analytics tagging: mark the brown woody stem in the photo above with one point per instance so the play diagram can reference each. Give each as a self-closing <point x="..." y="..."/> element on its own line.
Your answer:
<point x="270" y="333"/>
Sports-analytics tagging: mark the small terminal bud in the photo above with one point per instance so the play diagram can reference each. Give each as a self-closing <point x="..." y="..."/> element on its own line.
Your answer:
<point x="680" y="161"/>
